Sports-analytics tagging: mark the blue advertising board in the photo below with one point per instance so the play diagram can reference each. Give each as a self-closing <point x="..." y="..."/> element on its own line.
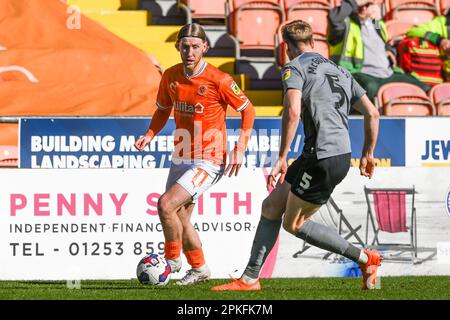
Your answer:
<point x="109" y="142"/>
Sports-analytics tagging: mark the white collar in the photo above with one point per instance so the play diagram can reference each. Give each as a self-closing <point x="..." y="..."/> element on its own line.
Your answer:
<point x="202" y="68"/>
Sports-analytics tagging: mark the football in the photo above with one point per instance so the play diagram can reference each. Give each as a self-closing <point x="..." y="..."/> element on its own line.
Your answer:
<point x="154" y="270"/>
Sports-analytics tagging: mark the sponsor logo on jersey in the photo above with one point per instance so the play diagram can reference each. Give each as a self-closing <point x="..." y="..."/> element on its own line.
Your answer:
<point x="201" y="90"/>
<point x="184" y="107"/>
<point x="235" y="88"/>
<point x="286" y="74"/>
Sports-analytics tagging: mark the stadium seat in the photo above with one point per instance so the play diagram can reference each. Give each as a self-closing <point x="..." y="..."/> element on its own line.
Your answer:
<point x="9" y="156"/>
<point x="444" y="5"/>
<point x="404" y="99"/>
<point x="246" y="16"/>
<point x="203" y="9"/>
<point x="391" y="4"/>
<point x="397" y="30"/>
<point x="315" y="12"/>
<point x="387" y="213"/>
<point x="440" y="96"/>
<point x="252" y="25"/>
<point x="163" y="12"/>
<point x="414" y="11"/>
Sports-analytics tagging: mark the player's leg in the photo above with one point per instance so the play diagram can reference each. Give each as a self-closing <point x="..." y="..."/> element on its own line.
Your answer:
<point x="265" y="237"/>
<point x="266" y="234"/>
<point x="192" y="249"/>
<point x="191" y="238"/>
<point x="175" y="198"/>
<point x="267" y="231"/>
<point x="200" y="177"/>
<point x="311" y="189"/>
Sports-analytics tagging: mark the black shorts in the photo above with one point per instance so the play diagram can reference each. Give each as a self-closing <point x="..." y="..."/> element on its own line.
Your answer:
<point x="314" y="180"/>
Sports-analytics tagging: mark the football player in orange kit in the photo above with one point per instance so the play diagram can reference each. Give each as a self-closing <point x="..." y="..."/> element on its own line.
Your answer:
<point x="199" y="93"/>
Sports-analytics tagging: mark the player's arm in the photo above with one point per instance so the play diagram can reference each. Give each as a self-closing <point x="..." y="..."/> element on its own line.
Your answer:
<point x="371" y="125"/>
<point x="161" y="115"/>
<point x="232" y="95"/>
<point x="237" y="155"/>
<point x="158" y="122"/>
<point x="289" y="124"/>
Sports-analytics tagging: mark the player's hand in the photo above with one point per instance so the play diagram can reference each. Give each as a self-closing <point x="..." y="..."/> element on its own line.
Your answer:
<point x="279" y="169"/>
<point x="236" y="159"/>
<point x="142" y="142"/>
<point x="367" y="166"/>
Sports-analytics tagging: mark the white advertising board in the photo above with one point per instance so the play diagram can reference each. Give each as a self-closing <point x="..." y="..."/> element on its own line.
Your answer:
<point x="97" y="224"/>
<point x="427" y="142"/>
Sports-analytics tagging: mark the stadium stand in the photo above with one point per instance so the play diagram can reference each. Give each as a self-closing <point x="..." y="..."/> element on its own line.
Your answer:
<point x="404" y="99"/>
<point x="151" y="25"/>
<point x="254" y="51"/>
<point x="411" y="11"/>
<point x="162" y="12"/>
<point x="203" y="9"/>
<point x="440" y="96"/>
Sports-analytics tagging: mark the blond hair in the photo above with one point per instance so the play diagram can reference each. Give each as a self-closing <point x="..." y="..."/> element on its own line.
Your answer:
<point x="192" y="30"/>
<point x="297" y="31"/>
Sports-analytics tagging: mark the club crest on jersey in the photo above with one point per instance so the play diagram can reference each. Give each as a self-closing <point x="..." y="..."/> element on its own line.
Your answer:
<point x="286" y="74"/>
<point x="201" y="90"/>
<point x="173" y="86"/>
<point x="235" y="88"/>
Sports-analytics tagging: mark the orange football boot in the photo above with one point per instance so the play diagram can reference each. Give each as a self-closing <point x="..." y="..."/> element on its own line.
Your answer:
<point x="369" y="270"/>
<point x="238" y="285"/>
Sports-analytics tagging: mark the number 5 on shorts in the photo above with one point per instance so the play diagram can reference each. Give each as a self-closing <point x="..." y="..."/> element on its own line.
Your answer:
<point x="306" y="181"/>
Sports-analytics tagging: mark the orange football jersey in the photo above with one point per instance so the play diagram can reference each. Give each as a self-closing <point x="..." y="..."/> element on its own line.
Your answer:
<point x="200" y="102"/>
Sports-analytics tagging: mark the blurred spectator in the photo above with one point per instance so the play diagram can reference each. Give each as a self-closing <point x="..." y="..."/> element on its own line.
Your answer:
<point x="437" y="32"/>
<point x="358" y="42"/>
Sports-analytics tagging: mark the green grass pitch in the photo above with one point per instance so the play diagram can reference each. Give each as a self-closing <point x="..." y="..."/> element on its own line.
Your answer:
<point x="420" y="287"/>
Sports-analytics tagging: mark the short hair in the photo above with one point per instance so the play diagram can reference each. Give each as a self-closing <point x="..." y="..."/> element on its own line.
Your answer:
<point x="297" y="31"/>
<point x="191" y="30"/>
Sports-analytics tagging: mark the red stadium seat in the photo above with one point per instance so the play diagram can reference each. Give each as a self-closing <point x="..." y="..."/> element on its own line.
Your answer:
<point x="440" y="96"/>
<point x="404" y="99"/>
<point x="315" y="12"/>
<point x="291" y="3"/>
<point x="205" y="9"/>
<point x="413" y="11"/>
<point x="397" y="30"/>
<point x="391" y="4"/>
<point x="8" y="156"/>
<point x="247" y="16"/>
